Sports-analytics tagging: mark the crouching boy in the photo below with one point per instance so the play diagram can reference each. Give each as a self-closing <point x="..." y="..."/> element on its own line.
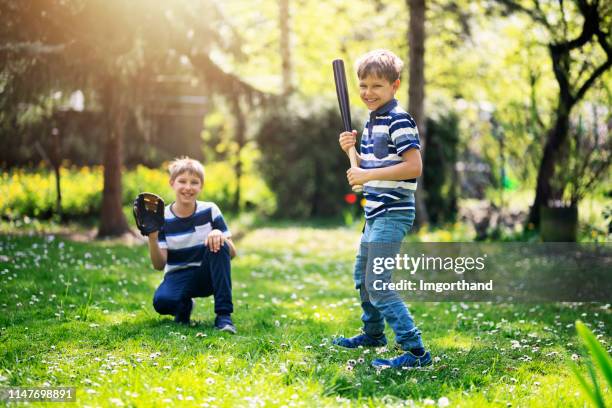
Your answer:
<point x="194" y="248"/>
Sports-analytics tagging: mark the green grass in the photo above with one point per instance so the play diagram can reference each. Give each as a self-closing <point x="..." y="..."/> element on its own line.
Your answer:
<point x="80" y="314"/>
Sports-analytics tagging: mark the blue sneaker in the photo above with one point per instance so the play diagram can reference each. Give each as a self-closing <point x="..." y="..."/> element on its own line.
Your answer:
<point x="364" y="340"/>
<point x="224" y="323"/>
<point x="405" y="360"/>
<point x="183" y="315"/>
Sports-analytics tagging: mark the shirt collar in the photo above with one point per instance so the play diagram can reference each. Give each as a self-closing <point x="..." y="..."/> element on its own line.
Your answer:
<point x="387" y="107"/>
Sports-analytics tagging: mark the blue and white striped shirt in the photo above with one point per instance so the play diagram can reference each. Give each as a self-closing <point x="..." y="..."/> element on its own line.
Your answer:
<point x="388" y="133"/>
<point x="184" y="237"/>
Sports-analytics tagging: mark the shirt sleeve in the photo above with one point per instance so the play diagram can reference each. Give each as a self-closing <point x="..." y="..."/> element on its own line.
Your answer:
<point x="364" y="137"/>
<point x="161" y="239"/>
<point x="219" y="222"/>
<point x="404" y="133"/>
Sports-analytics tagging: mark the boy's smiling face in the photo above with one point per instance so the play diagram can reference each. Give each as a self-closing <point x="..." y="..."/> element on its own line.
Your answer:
<point x="375" y="91"/>
<point x="186" y="186"/>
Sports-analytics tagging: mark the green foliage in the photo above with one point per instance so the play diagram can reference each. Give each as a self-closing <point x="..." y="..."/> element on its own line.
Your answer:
<point x="141" y="53"/>
<point x="123" y="57"/>
<point x="587" y="157"/>
<point x="439" y="174"/>
<point x="601" y="358"/>
<point x="32" y="193"/>
<point x="302" y="162"/>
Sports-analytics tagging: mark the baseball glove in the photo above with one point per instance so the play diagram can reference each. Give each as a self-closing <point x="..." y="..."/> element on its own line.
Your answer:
<point x="148" y="213"/>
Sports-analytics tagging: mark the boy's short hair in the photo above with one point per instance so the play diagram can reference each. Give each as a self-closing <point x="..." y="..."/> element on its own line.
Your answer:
<point x="380" y="63"/>
<point x="185" y="164"/>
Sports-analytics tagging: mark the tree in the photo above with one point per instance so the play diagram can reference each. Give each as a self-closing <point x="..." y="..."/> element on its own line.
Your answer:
<point x="82" y="45"/>
<point x="416" y="88"/>
<point x="32" y="106"/>
<point x="113" y="51"/>
<point x="580" y="48"/>
<point x="285" y="49"/>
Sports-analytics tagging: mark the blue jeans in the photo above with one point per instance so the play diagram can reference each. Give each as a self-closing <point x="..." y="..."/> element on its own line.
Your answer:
<point x="382" y="237"/>
<point x="213" y="277"/>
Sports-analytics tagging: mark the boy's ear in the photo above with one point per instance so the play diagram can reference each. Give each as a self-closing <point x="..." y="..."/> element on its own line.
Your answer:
<point x="396" y="84"/>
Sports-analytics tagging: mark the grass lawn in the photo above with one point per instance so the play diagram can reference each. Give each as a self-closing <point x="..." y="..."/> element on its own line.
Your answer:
<point x="80" y="314"/>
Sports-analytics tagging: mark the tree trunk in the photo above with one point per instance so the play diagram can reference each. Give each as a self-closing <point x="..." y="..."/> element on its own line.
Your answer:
<point x="557" y="136"/>
<point x="54" y="158"/>
<point x="56" y="162"/>
<point x="240" y="138"/>
<point x="285" y="50"/>
<point x="416" y="91"/>
<point x="58" y="190"/>
<point x="112" y="219"/>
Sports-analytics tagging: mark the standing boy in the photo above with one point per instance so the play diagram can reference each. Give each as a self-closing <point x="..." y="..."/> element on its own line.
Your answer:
<point x="194" y="248"/>
<point x="389" y="163"/>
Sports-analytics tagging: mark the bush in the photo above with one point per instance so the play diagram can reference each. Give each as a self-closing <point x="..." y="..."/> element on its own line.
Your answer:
<point x="303" y="163"/>
<point x="32" y="193"/>
<point x="439" y="173"/>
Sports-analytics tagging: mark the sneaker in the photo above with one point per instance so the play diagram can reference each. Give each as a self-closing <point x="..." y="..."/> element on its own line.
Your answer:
<point x="224" y="323"/>
<point x="183" y="317"/>
<point x="406" y="360"/>
<point x="364" y="340"/>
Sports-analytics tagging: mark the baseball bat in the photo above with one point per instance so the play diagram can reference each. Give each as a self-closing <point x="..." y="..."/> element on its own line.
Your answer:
<point x="345" y="109"/>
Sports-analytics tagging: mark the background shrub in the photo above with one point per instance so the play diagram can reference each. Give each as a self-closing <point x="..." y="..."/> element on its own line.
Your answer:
<point x="32" y="192"/>
<point x="439" y="173"/>
<point x="303" y="163"/>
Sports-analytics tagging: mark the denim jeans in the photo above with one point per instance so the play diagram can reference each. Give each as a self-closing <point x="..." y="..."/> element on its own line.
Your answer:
<point x="382" y="237"/>
<point x="213" y="277"/>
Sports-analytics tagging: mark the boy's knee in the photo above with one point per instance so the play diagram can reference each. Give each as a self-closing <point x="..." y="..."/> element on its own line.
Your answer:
<point x="383" y="298"/>
<point x="377" y="294"/>
<point x="376" y="300"/>
<point x="372" y="281"/>
<point x="164" y="304"/>
<point x="223" y="251"/>
<point x="358" y="278"/>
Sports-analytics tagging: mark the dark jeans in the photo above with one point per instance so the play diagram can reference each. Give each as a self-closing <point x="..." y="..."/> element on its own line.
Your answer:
<point x="174" y="294"/>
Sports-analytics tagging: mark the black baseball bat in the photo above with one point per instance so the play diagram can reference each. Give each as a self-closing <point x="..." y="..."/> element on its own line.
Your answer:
<point x="342" y="93"/>
<point x="345" y="109"/>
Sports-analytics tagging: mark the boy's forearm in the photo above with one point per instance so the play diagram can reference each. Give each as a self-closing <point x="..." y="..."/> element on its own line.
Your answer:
<point x="408" y="169"/>
<point x="157" y="257"/>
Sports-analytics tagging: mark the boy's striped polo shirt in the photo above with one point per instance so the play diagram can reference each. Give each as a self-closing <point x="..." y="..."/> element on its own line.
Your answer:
<point x="388" y="133"/>
<point x="184" y="237"/>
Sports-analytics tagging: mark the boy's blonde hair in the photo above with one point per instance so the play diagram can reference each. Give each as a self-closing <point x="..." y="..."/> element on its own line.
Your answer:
<point x="380" y="63"/>
<point x="185" y="164"/>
